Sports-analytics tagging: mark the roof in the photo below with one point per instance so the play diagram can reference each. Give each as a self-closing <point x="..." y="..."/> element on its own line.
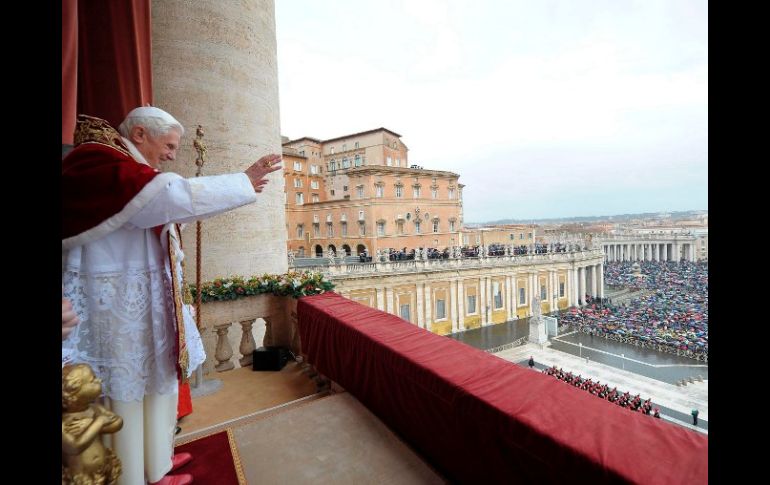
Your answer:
<point x="363" y="133"/>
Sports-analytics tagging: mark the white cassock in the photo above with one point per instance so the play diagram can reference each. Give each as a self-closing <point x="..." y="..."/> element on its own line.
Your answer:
<point x="120" y="286"/>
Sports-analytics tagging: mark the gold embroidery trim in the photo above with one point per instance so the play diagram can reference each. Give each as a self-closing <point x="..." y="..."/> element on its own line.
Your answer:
<point x="90" y="129"/>
<point x="184" y="356"/>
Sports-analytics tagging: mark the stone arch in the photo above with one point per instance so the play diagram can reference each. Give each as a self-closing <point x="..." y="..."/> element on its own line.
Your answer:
<point x="346" y="248"/>
<point x="360" y="249"/>
<point x="319" y="251"/>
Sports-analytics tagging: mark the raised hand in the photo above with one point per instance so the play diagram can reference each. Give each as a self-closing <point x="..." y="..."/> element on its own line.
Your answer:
<point x="261" y="168"/>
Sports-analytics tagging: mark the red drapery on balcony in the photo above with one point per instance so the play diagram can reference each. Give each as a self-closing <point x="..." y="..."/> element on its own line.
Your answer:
<point x="481" y="419"/>
<point x="106" y="59"/>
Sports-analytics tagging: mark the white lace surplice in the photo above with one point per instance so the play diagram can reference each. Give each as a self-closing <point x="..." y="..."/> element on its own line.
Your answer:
<point x="120" y="287"/>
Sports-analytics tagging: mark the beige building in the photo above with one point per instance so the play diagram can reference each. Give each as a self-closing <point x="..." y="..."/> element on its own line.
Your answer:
<point x="452" y="295"/>
<point x="358" y="193"/>
<point x="515" y="234"/>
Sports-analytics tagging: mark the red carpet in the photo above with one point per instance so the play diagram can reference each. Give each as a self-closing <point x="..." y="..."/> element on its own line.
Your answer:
<point x="215" y="460"/>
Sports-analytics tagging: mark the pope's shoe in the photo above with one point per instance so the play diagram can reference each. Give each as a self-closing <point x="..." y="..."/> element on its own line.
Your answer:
<point x="179" y="460"/>
<point x="184" y="479"/>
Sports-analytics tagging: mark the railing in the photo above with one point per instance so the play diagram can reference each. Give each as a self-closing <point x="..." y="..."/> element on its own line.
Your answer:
<point x="343" y="268"/>
<point x="220" y="317"/>
<point x="698" y="356"/>
<point x="516" y="343"/>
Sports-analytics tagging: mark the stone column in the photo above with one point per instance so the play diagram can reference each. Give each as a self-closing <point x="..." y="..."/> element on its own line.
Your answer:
<point x="692" y="251"/>
<point x="665" y="252"/>
<point x="452" y="305"/>
<point x="460" y="306"/>
<point x="581" y="288"/>
<point x="381" y="298"/>
<point x="601" y="281"/>
<point x="575" y="287"/>
<point x="594" y="292"/>
<point x="215" y="64"/>
<point x="389" y="301"/>
<point x="428" y="306"/>
<point x="420" y="305"/>
<point x="508" y="297"/>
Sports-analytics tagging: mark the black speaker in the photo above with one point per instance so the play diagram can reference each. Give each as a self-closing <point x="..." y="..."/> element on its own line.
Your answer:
<point x="269" y="358"/>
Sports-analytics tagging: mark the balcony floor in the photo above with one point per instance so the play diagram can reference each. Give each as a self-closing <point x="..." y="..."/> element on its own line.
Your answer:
<point x="245" y="392"/>
<point x="286" y="432"/>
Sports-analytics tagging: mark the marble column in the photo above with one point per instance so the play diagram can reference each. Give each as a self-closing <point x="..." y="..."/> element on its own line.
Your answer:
<point x="593" y="281"/>
<point x="483" y="300"/>
<point x="582" y="284"/>
<point x="420" y="305"/>
<point x="460" y="306"/>
<point x="380" y="298"/>
<point x="428" y="306"/>
<point x="452" y="305"/>
<point x="601" y="281"/>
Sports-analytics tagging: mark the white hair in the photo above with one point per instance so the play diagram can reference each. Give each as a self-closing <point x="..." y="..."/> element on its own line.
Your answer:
<point x="156" y="121"/>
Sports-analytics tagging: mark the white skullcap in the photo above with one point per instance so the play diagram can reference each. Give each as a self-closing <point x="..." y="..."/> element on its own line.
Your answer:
<point x="152" y="112"/>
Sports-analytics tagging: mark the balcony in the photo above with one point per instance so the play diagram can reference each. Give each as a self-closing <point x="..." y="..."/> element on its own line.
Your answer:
<point x="463" y="415"/>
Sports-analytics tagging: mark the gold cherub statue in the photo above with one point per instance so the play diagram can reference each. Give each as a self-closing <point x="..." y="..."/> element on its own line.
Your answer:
<point x="85" y="460"/>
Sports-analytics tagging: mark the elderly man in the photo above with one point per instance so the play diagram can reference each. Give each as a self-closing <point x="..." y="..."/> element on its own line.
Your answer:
<point x="121" y="269"/>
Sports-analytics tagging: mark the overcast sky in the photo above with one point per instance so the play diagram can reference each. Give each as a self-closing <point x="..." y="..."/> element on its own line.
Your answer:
<point x="545" y="108"/>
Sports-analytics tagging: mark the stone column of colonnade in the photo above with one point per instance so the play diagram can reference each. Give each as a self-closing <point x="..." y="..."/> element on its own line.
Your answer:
<point x="601" y="281"/>
<point x="594" y="289"/>
<point x="482" y="301"/>
<point x="419" y="306"/>
<point x="452" y="305"/>
<point x="460" y="306"/>
<point x="428" y="304"/>
<point x="582" y="284"/>
<point x="665" y="252"/>
<point x="235" y="97"/>
<point x="509" y="297"/>
<point x="380" y="298"/>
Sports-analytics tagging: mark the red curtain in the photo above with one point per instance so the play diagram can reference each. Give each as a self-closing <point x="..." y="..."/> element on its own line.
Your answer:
<point x="69" y="66"/>
<point x="108" y="45"/>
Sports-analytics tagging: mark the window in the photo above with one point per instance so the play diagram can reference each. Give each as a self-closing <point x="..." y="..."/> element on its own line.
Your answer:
<point x="329" y="229"/>
<point x="360" y="215"/>
<point x="416" y="226"/>
<point x="344" y="147"/>
<point x="522" y="296"/>
<point x="345" y="163"/>
<point x="404" y="310"/>
<point x="543" y="295"/>
<point x="300" y="230"/>
<point x="521" y="235"/>
<point x="498" y="294"/>
<point x="344" y="188"/>
<point x="298" y="166"/>
<point x="344" y="228"/>
<point x="389" y="161"/>
<point x="362" y="228"/>
<point x="316" y="229"/>
<point x="332" y="150"/>
<point x="300" y="198"/>
<point x="398" y="162"/>
<point x="360" y="191"/>
<point x="451" y="193"/>
<point x="332" y="191"/>
<point x="400" y="227"/>
<point x="440" y="310"/>
<point x="297" y="183"/>
<point x="416" y="191"/>
<point x="314" y="169"/>
<point x="561" y="289"/>
<point x="333" y="165"/>
<point x="399" y="190"/>
<point x="471" y="304"/>
<point x="434" y="193"/>
<point x="314" y="184"/>
<point x="451" y="226"/>
<point x="380" y="228"/>
<point x="302" y="153"/>
<point x="529" y="235"/>
<point x="358" y="161"/>
<point x="435" y="225"/>
<point x="315" y="198"/>
<point x="356" y="144"/>
<point x="379" y="190"/>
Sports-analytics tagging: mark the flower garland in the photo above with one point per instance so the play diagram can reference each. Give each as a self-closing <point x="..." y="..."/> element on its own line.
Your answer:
<point x="294" y="284"/>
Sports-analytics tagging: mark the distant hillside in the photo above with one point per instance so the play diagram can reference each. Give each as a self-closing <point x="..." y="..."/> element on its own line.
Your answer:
<point x="612" y="218"/>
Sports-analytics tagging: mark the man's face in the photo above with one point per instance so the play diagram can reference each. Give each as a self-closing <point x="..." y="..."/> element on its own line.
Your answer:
<point x="156" y="149"/>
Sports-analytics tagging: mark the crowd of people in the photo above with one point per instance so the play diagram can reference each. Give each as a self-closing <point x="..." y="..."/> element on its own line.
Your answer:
<point x="671" y="316"/>
<point x="603" y="391"/>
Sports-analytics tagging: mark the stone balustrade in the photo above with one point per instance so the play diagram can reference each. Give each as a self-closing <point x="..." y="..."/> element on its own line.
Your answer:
<point x="228" y="325"/>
